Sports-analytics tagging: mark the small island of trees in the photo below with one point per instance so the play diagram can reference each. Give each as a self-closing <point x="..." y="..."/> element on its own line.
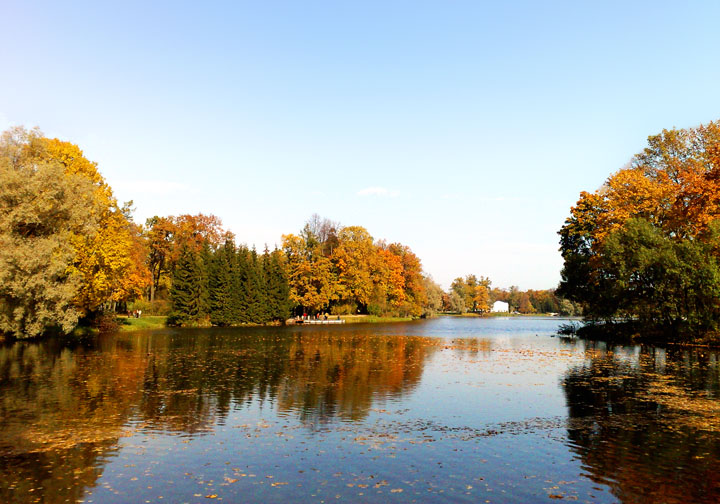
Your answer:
<point x="644" y="248"/>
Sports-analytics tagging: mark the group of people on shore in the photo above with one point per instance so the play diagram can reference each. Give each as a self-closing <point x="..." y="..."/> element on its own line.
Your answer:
<point x="317" y="316"/>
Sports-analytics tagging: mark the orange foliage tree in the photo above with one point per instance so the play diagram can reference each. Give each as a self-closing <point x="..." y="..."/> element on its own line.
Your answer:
<point x="343" y="270"/>
<point x="166" y="237"/>
<point x="667" y="200"/>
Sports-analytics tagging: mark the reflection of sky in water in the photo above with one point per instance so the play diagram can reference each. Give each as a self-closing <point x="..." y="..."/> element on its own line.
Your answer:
<point x="452" y="409"/>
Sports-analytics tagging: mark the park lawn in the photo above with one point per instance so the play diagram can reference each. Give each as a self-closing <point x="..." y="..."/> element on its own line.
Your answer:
<point x="374" y="319"/>
<point x="159" y="322"/>
<point x="142" y="323"/>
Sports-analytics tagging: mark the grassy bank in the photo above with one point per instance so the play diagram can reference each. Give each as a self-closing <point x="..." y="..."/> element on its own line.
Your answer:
<point x="151" y="322"/>
<point x="499" y="314"/>
<point x="159" y="322"/>
<point x="142" y="323"/>
<point x="373" y="319"/>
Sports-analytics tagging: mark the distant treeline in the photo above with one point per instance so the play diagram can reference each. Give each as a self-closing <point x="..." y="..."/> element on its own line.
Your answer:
<point x="327" y="268"/>
<point x="343" y="270"/>
<point x="475" y="295"/>
<point x="70" y="254"/>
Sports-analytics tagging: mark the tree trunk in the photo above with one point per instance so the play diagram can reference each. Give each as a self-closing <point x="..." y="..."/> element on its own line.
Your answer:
<point x="152" y="286"/>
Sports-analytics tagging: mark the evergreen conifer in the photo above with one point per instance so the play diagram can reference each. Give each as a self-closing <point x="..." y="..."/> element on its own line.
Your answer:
<point x="205" y="258"/>
<point x="187" y="288"/>
<point x="278" y="288"/>
<point x="241" y="297"/>
<point x="255" y="291"/>
<point x="221" y="309"/>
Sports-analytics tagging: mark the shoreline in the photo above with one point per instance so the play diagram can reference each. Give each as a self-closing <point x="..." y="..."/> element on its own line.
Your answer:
<point x="154" y="322"/>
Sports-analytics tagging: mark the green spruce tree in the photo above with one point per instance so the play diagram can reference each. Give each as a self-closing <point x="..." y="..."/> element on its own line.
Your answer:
<point x="241" y="295"/>
<point x="187" y="289"/>
<point x="270" y="301"/>
<point x="221" y="306"/>
<point x="278" y="288"/>
<point x="255" y="292"/>
<point x="205" y="258"/>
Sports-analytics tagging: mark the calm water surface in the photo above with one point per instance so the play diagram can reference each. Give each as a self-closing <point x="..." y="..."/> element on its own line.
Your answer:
<point x="447" y="410"/>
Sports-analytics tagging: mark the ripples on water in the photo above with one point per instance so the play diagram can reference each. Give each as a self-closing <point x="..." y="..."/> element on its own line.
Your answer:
<point x="446" y="410"/>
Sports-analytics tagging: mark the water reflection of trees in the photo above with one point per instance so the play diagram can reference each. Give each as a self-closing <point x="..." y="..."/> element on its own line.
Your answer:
<point x="647" y="422"/>
<point x="317" y="376"/>
<point x="471" y="347"/>
<point x="62" y="408"/>
<point x="328" y="376"/>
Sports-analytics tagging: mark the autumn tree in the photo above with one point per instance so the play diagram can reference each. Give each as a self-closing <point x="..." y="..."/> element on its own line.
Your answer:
<point x="481" y="298"/>
<point x="324" y="231"/>
<point x="455" y="302"/>
<point x="668" y="196"/>
<point x="525" y="306"/>
<point x="166" y="237"/>
<point x="159" y="234"/>
<point x="310" y="274"/>
<point x="343" y="270"/>
<point x="474" y="292"/>
<point x="107" y="260"/>
<point x="434" y="295"/>
<point x="389" y="278"/>
<point x="457" y="287"/>
<point x="196" y="231"/>
<point x="42" y="212"/>
<point x="355" y="259"/>
<point x="415" y="294"/>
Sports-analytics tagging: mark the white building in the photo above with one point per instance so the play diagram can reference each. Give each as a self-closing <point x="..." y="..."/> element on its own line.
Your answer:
<point x="500" y="306"/>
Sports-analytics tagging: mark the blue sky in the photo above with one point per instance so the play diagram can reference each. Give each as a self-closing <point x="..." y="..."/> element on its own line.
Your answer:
<point x="465" y="130"/>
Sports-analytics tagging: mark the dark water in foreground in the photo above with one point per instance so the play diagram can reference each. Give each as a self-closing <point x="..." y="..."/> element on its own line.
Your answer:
<point x="447" y="410"/>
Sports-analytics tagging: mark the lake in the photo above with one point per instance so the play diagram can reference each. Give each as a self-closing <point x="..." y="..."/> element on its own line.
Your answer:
<point x="446" y="410"/>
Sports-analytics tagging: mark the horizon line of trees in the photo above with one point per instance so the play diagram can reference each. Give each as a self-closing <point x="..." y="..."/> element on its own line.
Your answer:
<point x="70" y="253"/>
<point x="476" y="295"/>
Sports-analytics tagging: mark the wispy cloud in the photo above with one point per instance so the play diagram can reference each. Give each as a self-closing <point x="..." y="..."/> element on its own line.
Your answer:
<point x="378" y="191"/>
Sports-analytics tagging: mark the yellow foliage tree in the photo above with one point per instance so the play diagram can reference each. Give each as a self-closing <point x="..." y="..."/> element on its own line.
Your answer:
<point x="481" y="298"/>
<point x="110" y="261"/>
<point x="355" y="258"/>
<point x="310" y="274"/>
<point x="392" y="277"/>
